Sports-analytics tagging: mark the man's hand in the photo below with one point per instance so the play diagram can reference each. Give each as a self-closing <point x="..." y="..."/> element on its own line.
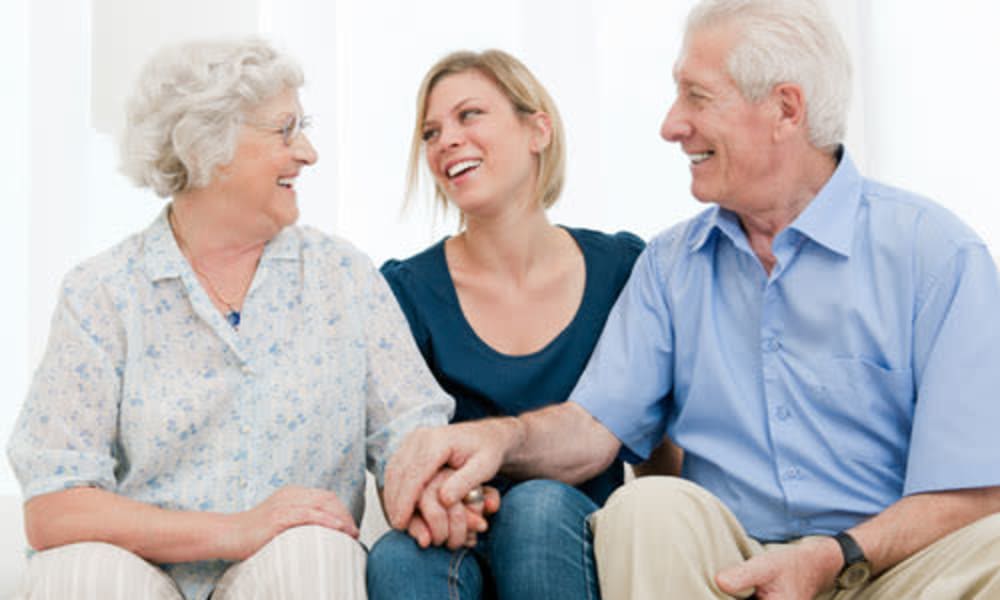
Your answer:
<point x="286" y="508"/>
<point x="457" y="525"/>
<point x="796" y="572"/>
<point x="475" y="450"/>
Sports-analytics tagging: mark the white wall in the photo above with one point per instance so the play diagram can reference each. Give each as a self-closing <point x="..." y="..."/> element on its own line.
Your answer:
<point x="14" y="188"/>
<point x="924" y="117"/>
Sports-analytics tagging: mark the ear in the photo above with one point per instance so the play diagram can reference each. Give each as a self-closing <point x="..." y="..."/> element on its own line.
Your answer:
<point x="541" y="135"/>
<point x="791" y="104"/>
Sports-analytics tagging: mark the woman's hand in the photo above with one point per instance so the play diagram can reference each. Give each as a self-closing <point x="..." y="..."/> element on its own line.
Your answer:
<point x="288" y="507"/>
<point x="456" y="525"/>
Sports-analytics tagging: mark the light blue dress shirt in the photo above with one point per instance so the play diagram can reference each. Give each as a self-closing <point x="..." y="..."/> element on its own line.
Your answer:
<point x="866" y="367"/>
<point x="146" y="391"/>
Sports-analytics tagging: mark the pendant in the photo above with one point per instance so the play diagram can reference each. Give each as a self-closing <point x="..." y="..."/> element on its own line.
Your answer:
<point x="234" y="318"/>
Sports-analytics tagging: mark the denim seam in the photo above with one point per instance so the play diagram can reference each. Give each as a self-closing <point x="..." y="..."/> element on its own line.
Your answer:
<point x="586" y="571"/>
<point x="453" y="573"/>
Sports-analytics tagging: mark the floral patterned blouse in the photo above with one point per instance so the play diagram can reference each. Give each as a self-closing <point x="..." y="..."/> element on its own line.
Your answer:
<point x="145" y="389"/>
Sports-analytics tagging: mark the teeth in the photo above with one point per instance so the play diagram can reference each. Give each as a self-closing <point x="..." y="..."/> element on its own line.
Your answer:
<point x="287" y="182"/>
<point x="465" y="165"/>
<point x="700" y="157"/>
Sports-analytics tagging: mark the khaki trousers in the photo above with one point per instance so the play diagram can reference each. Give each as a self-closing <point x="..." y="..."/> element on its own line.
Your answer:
<point x="663" y="537"/>
<point x="304" y="562"/>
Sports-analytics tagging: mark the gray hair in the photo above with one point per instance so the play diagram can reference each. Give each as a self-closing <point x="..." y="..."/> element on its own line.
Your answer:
<point x="787" y="41"/>
<point x="188" y="106"/>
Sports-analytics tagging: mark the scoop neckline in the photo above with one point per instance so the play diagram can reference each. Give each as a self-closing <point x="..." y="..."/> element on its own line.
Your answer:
<point x="577" y="316"/>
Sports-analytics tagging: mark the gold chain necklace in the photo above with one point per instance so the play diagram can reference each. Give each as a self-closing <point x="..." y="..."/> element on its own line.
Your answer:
<point x="233" y="315"/>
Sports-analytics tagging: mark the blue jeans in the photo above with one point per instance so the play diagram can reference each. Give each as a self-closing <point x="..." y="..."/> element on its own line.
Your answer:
<point x="538" y="547"/>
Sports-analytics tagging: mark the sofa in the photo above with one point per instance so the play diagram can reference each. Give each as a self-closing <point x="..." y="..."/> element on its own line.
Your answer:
<point x="12" y="544"/>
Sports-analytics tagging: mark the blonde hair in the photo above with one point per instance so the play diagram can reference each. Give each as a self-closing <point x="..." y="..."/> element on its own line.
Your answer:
<point x="526" y="95"/>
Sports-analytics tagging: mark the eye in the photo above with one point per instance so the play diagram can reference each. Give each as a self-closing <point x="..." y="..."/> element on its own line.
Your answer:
<point x="467" y="113"/>
<point x="697" y="96"/>
<point x="429" y="134"/>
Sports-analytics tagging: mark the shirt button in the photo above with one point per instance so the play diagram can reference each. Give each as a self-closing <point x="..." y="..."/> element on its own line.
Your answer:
<point x="247" y="370"/>
<point x="783" y="413"/>
<point x="244" y="484"/>
<point x="770" y="345"/>
<point x="791" y="473"/>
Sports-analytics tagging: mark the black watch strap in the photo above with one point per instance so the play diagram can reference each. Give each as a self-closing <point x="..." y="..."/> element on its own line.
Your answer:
<point x="856" y="570"/>
<point x="849" y="548"/>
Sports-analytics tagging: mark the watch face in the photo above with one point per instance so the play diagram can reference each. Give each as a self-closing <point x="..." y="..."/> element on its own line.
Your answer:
<point x="854" y="575"/>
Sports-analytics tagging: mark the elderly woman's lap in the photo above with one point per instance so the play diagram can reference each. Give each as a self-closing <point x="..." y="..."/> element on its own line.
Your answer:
<point x="94" y="571"/>
<point x="302" y="562"/>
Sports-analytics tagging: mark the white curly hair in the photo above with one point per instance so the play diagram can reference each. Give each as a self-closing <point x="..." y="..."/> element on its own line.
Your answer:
<point x="189" y="103"/>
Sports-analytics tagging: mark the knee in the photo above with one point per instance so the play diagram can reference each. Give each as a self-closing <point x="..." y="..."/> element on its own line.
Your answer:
<point x="68" y="571"/>
<point x="539" y="508"/>
<point x="399" y="568"/>
<point x="392" y="550"/>
<point x="302" y="562"/>
<point x="984" y="534"/>
<point x="312" y="534"/>
<point x="664" y="503"/>
<point x="313" y="542"/>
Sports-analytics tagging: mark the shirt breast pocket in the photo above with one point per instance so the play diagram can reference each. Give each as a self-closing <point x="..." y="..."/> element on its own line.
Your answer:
<point x="869" y="408"/>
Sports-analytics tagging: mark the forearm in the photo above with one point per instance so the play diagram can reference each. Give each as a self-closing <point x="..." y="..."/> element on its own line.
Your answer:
<point x="562" y="442"/>
<point x="895" y="534"/>
<point x="918" y="521"/>
<point x="158" y="535"/>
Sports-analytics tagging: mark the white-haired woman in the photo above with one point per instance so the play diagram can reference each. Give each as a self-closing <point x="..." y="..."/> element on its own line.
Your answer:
<point x="215" y="384"/>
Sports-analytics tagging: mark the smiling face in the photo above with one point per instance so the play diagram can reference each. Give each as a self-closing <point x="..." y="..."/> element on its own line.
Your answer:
<point x="482" y="152"/>
<point x="259" y="182"/>
<point x="730" y="141"/>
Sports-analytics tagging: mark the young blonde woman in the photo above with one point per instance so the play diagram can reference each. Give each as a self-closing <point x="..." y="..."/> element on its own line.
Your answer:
<point x="506" y="314"/>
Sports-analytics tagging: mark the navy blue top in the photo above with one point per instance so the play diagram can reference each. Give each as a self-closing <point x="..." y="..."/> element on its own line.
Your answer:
<point x="487" y="383"/>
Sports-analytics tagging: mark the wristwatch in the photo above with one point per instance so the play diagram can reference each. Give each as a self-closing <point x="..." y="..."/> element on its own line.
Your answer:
<point x="857" y="570"/>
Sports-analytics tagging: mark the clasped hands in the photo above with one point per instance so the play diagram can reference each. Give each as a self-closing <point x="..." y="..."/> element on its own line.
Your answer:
<point x="430" y="475"/>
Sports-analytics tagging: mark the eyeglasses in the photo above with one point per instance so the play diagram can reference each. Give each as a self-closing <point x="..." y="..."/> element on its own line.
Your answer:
<point x="289" y="130"/>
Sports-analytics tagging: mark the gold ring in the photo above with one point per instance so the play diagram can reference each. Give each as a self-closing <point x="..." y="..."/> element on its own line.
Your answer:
<point x="475" y="496"/>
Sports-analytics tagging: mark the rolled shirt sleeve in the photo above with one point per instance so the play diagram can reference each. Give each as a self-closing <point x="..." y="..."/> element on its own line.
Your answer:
<point x="65" y="434"/>
<point x="953" y="444"/>
<point x="402" y="395"/>
<point x="631" y="370"/>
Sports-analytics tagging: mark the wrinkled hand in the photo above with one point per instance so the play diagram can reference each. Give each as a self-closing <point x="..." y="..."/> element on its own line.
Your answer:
<point x="796" y="572"/>
<point x="456" y="525"/>
<point x="475" y="450"/>
<point x="288" y="507"/>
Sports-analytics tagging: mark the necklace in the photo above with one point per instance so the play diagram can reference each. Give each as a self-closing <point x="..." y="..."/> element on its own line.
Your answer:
<point x="233" y="314"/>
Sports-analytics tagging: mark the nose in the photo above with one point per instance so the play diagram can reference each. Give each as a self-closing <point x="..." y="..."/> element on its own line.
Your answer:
<point x="675" y="125"/>
<point x="304" y="150"/>
<point x="451" y="135"/>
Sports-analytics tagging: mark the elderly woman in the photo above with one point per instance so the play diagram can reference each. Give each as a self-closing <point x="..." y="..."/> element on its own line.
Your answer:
<point x="215" y="384"/>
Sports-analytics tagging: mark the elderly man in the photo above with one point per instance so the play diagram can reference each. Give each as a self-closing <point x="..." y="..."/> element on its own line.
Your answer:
<point x="823" y="347"/>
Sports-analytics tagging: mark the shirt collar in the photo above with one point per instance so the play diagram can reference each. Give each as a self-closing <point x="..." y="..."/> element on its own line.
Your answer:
<point x="163" y="258"/>
<point x="712" y="220"/>
<point x="828" y="219"/>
